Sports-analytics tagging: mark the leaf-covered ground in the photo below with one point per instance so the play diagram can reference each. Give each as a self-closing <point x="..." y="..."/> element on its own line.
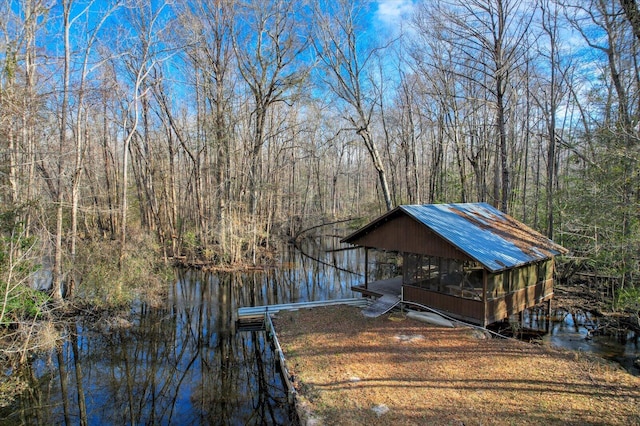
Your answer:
<point x="391" y="370"/>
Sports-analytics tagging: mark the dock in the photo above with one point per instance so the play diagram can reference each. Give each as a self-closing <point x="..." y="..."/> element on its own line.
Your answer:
<point x="381" y="306"/>
<point x="249" y="312"/>
<point x="391" y="286"/>
<point x="386" y="295"/>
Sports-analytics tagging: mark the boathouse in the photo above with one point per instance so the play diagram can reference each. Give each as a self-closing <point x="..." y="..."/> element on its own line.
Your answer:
<point x="470" y="261"/>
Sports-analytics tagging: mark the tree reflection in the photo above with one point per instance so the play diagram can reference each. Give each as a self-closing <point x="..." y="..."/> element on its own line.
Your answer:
<point x="183" y="363"/>
<point x="62" y="370"/>
<point x="82" y="408"/>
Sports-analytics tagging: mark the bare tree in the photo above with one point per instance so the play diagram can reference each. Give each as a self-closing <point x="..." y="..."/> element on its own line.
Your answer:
<point x="210" y="24"/>
<point x="267" y="45"/>
<point x="485" y="38"/>
<point x="61" y="155"/>
<point x="408" y="128"/>
<point x="550" y="95"/>
<point x="139" y="62"/>
<point x="348" y="63"/>
<point x="81" y="113"/>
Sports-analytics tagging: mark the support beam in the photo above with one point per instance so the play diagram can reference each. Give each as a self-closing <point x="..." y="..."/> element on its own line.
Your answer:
<point x="366" y="267"/>
<point x="548" y="319"/>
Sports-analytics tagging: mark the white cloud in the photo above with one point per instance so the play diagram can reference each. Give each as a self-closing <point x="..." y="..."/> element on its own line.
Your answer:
<point x="394" y="13"/>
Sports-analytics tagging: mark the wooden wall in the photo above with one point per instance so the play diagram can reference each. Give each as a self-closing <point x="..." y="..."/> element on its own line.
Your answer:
<point x="405" y="234"/>
<point x="473" y="310"/>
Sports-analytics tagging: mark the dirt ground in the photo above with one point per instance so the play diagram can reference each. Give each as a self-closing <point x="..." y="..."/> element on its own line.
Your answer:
<point x="391" y="370"/>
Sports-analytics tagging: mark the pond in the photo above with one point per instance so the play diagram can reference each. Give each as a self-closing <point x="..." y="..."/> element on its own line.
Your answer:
<point x="185" y="362"/>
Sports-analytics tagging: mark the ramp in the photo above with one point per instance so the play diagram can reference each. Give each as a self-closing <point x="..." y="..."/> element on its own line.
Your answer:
<point x="260" y="311"/>
<point x="381" y="306"/>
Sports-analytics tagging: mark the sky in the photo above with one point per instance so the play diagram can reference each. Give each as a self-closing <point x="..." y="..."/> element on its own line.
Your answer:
<point x="394" y="14"/>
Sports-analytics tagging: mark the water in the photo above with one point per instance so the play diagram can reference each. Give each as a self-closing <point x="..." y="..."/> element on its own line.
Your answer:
<point x="575" y="331"/>
<point x="581" y="332"/>
<point x="185" y="362"/>
<point x="180" y="364"/>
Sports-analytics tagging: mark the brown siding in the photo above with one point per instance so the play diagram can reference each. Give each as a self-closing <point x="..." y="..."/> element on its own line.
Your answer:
<point x="404" y="234"/>
<point x="473" y="310"/>
<point x="513" y="303"/>
<point x="464" y="309"/>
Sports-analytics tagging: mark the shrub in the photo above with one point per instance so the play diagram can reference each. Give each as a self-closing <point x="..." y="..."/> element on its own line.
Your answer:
<point x="106" y="281"/>
<point x="629" y="300"/>
<point x="21" y="303"/>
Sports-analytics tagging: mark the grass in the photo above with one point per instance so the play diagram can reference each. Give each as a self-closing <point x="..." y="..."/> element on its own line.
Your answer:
<point x="349" y="368"/>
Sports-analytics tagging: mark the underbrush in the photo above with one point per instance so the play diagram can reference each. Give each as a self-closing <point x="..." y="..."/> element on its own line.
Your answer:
<point x="105" y="283"/>
<point x="629" y="301"/>
<point x="21" y="303"/>
<point x="108" y="281"/>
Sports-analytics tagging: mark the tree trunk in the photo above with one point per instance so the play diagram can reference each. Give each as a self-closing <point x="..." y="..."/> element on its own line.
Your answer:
<point x="502" y="135"/>
<point x="377" y="164"/>
<point x="56" y="289"/>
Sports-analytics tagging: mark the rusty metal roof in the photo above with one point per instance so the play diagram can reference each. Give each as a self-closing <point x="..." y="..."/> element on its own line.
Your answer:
<point x="486" y="234"/>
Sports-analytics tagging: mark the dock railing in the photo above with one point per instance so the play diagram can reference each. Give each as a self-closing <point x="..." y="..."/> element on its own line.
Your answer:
<point x="258" y="311"/>
<point x="271" y="334"/>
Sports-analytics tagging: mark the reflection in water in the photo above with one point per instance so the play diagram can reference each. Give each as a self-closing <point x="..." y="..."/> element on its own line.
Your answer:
<point x="183" y="363"/>
<point x="579" y="331"/>
<point x="173" y="366"/>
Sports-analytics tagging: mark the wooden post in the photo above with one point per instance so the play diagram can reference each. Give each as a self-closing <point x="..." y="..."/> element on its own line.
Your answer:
<point x="366" y="268"/>
<point x="485" y="313"/>
<point x="548" y="322"/>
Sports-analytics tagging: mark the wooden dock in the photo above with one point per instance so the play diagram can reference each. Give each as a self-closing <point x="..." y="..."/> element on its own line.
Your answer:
<point x="391" y="286"/>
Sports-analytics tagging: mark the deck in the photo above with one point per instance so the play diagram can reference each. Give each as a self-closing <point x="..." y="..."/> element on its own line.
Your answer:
<point x="388" y="294"/>
<point x="389" y="287"/>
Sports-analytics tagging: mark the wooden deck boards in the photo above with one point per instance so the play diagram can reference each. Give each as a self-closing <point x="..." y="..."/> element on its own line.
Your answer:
<point x="392" y="286"/>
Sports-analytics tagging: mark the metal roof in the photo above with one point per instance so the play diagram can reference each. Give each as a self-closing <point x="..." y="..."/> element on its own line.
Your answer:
<point x="484" y="233"/>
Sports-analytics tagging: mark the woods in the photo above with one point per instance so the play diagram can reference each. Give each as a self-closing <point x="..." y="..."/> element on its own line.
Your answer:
<point x="204" y="132"/>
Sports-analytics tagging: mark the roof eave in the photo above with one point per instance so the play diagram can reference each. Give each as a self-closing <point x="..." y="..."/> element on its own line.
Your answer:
<point x="369" y="226"/>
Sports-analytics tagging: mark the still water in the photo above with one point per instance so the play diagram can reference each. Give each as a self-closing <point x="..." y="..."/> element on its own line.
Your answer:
<point x="575" y="331"/>
<point x="582" y="332"/>
<point x="184" y="363"/>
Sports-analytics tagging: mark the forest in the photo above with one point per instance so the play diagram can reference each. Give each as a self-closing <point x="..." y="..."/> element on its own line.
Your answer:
<point x="140" y="134"/>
